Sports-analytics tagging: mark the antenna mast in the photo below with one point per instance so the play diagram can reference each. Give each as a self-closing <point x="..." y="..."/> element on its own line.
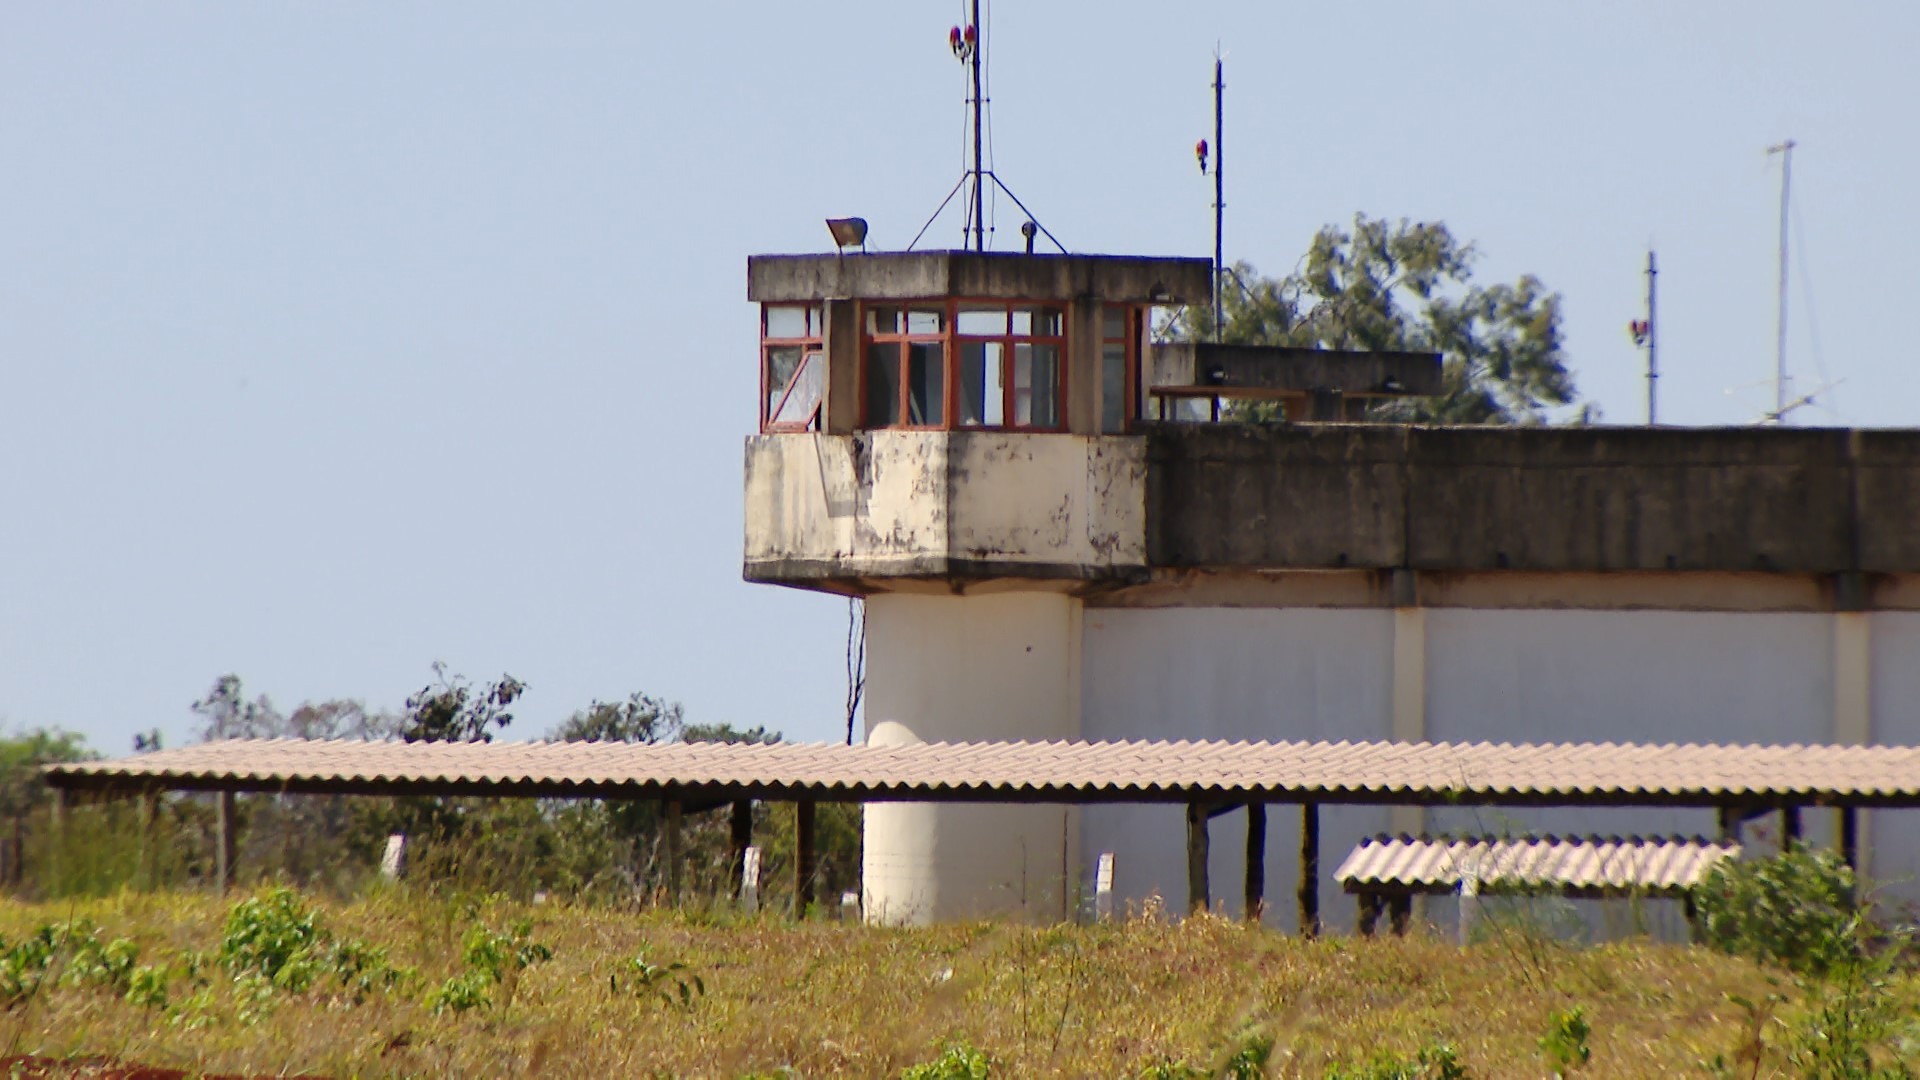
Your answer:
<point x="1219" y="188"/>
<point x="1653" y="344"/>
<point x="1780" y="381"/>
<point x="980" y="46"/>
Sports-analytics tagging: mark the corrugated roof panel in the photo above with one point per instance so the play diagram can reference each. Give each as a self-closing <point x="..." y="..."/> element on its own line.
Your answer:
<point x="1599" y="864"/>
<point x="1589" y="773"/>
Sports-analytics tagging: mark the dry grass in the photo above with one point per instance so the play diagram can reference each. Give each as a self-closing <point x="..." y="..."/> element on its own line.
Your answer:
<point x="825" y="999"/>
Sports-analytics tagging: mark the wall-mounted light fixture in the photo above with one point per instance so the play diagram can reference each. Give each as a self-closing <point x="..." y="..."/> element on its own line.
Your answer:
<point x="848" y="231"/>
<point x="1030" y="230"/>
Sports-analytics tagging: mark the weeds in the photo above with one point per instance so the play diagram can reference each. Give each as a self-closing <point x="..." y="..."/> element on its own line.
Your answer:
<point x="958" y="1062"/>
<point x="672" y="983"/>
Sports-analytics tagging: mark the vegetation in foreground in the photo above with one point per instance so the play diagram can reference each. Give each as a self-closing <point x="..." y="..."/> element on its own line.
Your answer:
<point x="409" y="982"/>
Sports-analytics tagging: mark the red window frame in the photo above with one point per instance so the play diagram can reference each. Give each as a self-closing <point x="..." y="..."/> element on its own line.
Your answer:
<point x="902" y="338"/>
<point x="1132" y="334"/>
<point x="950" y="340"/>
<point x="811" y="344"/>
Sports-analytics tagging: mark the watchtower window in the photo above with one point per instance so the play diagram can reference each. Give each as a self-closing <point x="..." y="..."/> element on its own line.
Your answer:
<point x="1011" y="365"/>
<point x="793" y="367"/>
<point x="905" y="367"/>
<point x="1120" y="334"/>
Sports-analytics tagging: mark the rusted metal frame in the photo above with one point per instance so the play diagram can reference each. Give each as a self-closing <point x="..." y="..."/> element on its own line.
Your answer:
<point x="1198" y="897"/>
<point x="803" y="857"/>
<point x="901" y="340"/>
<point x="818" y="345"/>
<point x="1309" y="890"/>
<point x="1256" y="882"/>
<point x="767" y="424"/>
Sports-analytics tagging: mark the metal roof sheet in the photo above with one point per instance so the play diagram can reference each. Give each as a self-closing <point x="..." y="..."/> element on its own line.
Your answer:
<point x="1350" y="772"/>
<point x="1576" y="864"/>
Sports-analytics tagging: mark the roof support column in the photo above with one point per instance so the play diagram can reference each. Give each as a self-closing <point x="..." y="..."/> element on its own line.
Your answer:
<point x="149" y="853"/>
<point x="1198" y="898"/>
<point x="1789" y="825"/>
<point x="1309" y="892"/>
<point x="224" y="846"/>
<point x="1850" y="836"/>
<point x="1256" y="895"/>
<point x="1853" y="697"/>
<point x="803" y="848"/>
<point x="673" y="851"/>
<point x="740" y="839"/>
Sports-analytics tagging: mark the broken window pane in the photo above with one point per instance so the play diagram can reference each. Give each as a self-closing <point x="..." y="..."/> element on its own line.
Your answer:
<point x="1038" y="322"/>
<point x="782" y="362"/>
<point x="982" y="401"/>
<point x="926" y="384"/>
<point x="883" y="320"/>
<point x="883" y="385"/>
<point x="803" y="399"/>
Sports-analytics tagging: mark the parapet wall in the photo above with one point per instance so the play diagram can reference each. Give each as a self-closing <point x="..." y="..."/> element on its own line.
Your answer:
<point x="1543" y="499"/>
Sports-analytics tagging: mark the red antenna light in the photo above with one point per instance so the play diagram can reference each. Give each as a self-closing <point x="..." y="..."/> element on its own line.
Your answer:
<point x="1200" y="152"/>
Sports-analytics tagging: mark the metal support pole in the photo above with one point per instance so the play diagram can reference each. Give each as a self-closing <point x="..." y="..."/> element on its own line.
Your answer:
<point x="1219" y="193"/>
<point x="1790" y="825"/>
<point x="1653" y="344"/>
<point x="1309" y="892"/>
<point x="1198" y="898"/>
<point x="1785" y="150"/>
<point x="225" y="828"/>
<point x="1850" y="836"/>
<point x="738" y="843"/>
<point x="1256" y="897"/>
<point x="803" y="845"/>
<point x="673" y="851"/>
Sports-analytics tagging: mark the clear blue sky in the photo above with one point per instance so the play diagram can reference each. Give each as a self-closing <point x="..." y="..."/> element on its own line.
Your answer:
<point x="340" y="338"/>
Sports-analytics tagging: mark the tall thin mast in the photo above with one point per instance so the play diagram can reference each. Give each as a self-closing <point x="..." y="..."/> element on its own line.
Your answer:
<point x="1653" y="343"/>
<point x="979" y="218"/>
<point x="1785" y="150"/>
<point x="1219" y="189"/>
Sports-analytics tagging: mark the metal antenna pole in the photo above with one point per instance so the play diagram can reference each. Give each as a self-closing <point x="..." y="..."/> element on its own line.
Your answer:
<point x="979" y="219"/>
<point x="1785" y="150"/>
<point x="1653" y="340"/>
<point x="1219" y="188"/>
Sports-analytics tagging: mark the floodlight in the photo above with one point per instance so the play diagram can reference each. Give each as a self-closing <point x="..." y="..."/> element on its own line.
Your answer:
<point x="848" y="231"/>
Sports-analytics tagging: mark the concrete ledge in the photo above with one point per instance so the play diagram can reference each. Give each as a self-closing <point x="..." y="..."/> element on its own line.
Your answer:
<point x="925" y="275"/>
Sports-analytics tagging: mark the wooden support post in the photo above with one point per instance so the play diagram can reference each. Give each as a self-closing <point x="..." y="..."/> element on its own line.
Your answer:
<point x="224" y="846"/>
<point x="1850" y="836"/>
<point x="673" y="851"/>
<point x="1198" y="898"/>
<point x="1309" y="892"/>
<point x="149" y="824"/>
<point x="739" y="841"/>
<point x="1789" y="826"/>
<point x="1399" y="913"/>
<point x="1730" y="818"/>
<point x="1369" y="913"/>
<point x="1256" y="898"/>
<point x="803" y="848"/>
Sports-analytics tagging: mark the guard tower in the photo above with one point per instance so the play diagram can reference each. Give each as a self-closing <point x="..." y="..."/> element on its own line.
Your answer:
<point x="947" y="434"/>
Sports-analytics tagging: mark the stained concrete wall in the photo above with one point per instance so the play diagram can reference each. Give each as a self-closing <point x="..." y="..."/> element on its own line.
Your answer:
<point x="1550" y="499"/>
<point x="930" y="275"/>
<point x="934" y="504"/>
<point x="1226" y="673"/>
<point x="946" y="668"/>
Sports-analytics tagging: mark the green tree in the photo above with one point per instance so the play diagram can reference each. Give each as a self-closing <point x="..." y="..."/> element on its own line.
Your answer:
<point x="1408" y="287"/>
<point x="451" y="709"/>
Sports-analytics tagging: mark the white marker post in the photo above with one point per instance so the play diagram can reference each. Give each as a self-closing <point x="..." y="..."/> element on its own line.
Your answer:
<point x="390" y="859"/>
<point x="750" y="879"/>
<point x="1103" y="888"/>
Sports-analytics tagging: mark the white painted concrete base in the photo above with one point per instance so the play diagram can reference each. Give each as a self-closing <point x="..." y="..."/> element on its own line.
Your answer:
<point x="997" y="667"/>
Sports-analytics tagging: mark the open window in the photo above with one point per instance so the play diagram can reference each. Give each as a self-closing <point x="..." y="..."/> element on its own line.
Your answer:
<point x="793" y="367"/>
<point x="1012" y="365"/>
<point x="904" y="367"/>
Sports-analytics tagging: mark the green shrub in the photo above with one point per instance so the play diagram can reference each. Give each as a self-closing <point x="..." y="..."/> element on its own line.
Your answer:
<point x="958" y="1062"/>
<point x="1565" y="1043"/>
<point x="1798" y="910"/>
<point x="467" y="990"/>
<point x="1436" y="1062"/>
<point x="276" y="936"/>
